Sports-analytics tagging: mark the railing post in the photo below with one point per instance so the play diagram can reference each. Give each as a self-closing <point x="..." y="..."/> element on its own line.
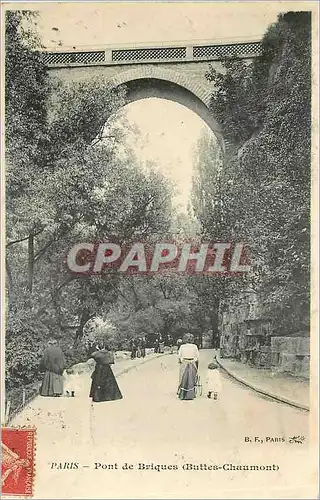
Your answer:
<point x="108" y="55"/>
<point x="189" y="53"/>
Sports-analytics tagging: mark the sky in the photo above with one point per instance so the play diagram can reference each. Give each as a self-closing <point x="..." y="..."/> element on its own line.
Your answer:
<point x="170" y="131"/>
<point x="169" y="134"/>
<point x="111" y="23"/>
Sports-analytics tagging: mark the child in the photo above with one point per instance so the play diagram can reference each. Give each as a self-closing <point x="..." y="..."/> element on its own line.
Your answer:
<point x="71" y="382"/>
<point x="213" y="380"/>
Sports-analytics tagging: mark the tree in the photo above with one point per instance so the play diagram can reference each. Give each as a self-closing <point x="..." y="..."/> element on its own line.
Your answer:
<point x="68" y="180"/>
<point x="26" y="90"/>
<point x="206" y="184"/>
<point x="265" y="184"/>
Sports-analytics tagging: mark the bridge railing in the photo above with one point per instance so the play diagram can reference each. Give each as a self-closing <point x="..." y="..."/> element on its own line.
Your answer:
<point x="162" y="54"/>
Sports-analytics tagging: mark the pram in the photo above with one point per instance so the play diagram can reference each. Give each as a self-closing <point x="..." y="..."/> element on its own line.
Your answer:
<point x="198" y="388"/>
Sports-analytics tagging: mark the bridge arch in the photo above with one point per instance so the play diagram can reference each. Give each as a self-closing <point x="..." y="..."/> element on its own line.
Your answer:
<point x="151" y="81"/>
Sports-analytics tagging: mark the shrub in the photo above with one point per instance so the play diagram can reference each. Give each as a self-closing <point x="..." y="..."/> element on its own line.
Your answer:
<point x="26" y="338"/>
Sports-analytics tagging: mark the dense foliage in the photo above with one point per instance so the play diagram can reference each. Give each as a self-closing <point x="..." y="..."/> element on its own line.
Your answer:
<point x="68" y="179"/>
<point x="71" y="178"/>
<point x="262" y="193"/>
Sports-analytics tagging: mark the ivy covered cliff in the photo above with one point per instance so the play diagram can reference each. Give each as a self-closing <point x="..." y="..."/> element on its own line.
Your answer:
<point x="261" y="195"/>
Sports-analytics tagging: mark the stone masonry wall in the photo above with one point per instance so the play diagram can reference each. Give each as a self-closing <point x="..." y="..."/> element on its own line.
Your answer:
<point x="291" y="355"/>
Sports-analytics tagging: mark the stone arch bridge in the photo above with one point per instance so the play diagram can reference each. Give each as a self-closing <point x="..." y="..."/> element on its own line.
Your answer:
<point x="174" y="71"/>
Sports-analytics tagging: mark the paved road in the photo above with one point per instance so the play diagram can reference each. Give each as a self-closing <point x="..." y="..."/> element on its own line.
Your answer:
<point x="152" y="426"/>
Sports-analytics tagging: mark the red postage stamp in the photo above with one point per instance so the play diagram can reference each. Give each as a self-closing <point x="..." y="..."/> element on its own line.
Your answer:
<point x="18" y="453"/>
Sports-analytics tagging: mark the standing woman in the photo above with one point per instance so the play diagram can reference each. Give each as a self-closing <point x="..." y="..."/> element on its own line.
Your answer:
<point x="104" y="386"/>
<point x="161" y="345"/>
<point x="156" y="345"/>
<point x="133" y="346"/>
<point x="143" y="346"/>
<point x="53" y="364"/>
<point x="189" y="360"/>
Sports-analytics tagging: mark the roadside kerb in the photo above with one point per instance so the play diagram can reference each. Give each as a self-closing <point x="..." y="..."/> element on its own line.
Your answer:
<point x="263" y="392"/>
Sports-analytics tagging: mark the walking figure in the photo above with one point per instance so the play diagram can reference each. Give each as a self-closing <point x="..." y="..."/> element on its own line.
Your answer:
<point x="170" y="343"/>
<point x="143" y="346"/>
<point x="104" y="386"/>
<point x="213" y="380"/>
<point x="179" y="344"/>
<point x="53" y="364"/>
<point x="133" y="348"/>
<point x="156" y="345"/>
<point x="189" y="361"/>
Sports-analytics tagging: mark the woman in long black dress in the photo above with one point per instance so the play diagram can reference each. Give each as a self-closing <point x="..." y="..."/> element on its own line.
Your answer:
<point x="53" y="364"/>
<point x="104" y="386"/>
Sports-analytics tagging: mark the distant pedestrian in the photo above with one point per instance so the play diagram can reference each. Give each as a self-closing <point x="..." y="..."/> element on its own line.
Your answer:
<point x="179" y="344"/>
<point x="143" y="346"/>
<point x="170" y="343"/>
<point x="134" y="348"/>
<point x="213" y="380"/>
<point x="104" y="386"/>
<point x="161" y="345"/>
<point x="156" y="345"/>
<point x="53" y="364"/>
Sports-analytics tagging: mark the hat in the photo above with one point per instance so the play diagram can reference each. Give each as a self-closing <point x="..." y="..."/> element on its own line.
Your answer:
<point x="188" y="338"/>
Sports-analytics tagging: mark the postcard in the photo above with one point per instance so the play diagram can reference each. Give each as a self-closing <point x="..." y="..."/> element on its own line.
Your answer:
<point x="160" y="252"/>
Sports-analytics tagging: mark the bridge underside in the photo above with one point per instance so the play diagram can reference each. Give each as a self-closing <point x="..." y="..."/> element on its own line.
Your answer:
<point x="144" y="88"/>
<point x="171" y="70"/>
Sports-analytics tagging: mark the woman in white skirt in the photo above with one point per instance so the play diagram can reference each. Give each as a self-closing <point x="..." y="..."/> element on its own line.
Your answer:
<point x="189" y="360"/>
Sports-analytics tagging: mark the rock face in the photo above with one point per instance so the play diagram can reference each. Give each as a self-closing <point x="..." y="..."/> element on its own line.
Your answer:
<point x="246" y="335"/>
<point x="291" y="355"/>
<point x="244" y="332"/>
